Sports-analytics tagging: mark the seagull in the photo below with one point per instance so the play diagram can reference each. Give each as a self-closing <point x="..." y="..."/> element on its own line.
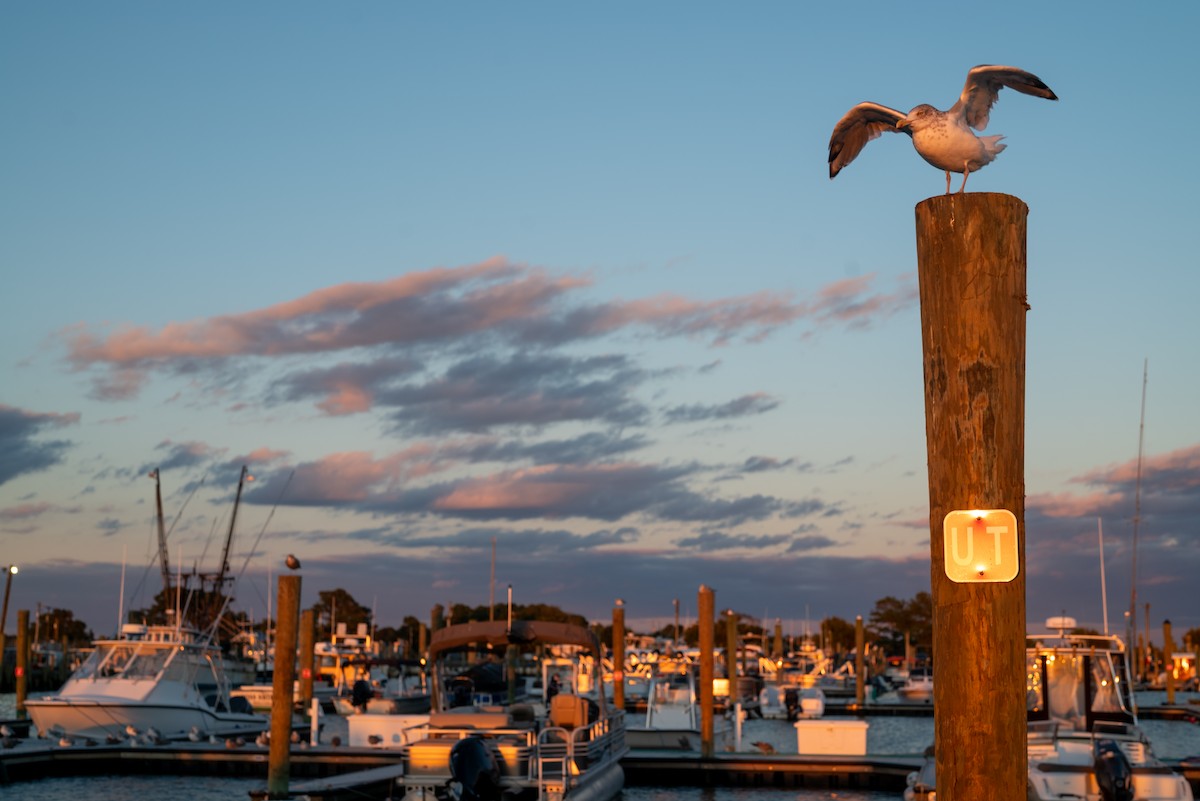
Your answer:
<point x="942" y="138"/>
<point x="292" y="562"/>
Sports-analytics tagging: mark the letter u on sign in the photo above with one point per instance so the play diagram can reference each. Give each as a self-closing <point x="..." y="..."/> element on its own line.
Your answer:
<point x="981" y="545"/>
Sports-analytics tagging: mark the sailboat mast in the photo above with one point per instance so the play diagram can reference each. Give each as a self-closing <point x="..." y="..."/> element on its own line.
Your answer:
<point x="1137" y="518"/>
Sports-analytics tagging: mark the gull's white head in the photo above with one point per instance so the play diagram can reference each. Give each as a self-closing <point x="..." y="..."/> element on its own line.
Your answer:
<point x="920" y="117"/>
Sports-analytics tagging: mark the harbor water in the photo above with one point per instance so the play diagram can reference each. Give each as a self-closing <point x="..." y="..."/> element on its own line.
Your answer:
<point x="888" y="735"/>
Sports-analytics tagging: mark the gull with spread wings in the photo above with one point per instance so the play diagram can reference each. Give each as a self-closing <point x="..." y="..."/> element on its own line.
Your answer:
<point x="942" y="138"/>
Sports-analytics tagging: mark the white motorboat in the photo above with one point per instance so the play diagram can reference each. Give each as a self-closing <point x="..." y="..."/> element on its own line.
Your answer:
<point x="152" y="681"/>
<point x="672" y="719"/>
<point x="791" y="703"/>
<point x="917" y="688"/>
<point x="568" y="749"/>
<point x="1084" y="738"/>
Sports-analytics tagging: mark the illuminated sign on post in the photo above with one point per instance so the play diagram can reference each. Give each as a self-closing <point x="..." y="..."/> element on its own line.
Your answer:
<point x="981" y="545"/>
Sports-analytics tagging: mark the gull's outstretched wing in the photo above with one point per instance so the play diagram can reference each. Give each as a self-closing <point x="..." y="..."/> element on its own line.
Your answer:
<point x="984" y="84"/>
<point x="861" y="124"/>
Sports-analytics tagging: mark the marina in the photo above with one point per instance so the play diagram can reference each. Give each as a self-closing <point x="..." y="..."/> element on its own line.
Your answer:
<point x="894" y="747"/>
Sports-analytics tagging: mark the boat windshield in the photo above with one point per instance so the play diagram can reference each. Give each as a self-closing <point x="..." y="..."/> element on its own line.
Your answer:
<point x="124" y="660"/>
<point x="1074" y="688"/>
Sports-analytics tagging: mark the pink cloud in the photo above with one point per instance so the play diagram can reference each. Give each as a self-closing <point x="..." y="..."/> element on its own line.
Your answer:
<point x="1065" y="504"/>
<point x="1177" y="469"/>
<point x="345" y="398"/>
<point x="25" y="511"/>
<point x="541" y="487"/>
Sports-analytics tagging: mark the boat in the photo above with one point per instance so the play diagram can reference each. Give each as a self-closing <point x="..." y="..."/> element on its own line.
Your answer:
<point x="157" y="682"/>
<point x="672" y="716"/>
<point x="1083" y="738"/>
<point x="564" y="747"/>
<point x="791" y="703"/>
<point x="917" y="688"/>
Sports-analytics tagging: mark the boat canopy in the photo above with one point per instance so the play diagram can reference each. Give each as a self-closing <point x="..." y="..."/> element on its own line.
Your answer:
<point x="519" y="632"/>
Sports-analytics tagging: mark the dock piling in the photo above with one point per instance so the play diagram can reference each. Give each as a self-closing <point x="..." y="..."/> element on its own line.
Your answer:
<point x="618" y="649"/>
<point x="279" y="759"/>
<point x="705" y="624"/>
<point x="971" y="264"/>
<point x="22" y="660"/>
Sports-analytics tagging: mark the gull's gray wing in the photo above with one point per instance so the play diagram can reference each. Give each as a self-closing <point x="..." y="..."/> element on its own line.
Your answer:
<point x="860" y="125"/>
<point x="984" y="84"/>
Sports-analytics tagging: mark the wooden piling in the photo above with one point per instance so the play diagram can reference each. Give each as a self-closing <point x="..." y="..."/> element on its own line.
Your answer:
<point x="308" y="637"/>
<point x="971" y="267"/>
<point x="618" y="649"/>
<point x="279" y="758"/>
<point x="860" y="665"/>
<point x="705" y="623"/>
<point x="777" y="650"/>
<point x="22" y="671"/>
<point x="1169" y="660"/>
<point x="731" y="655"/>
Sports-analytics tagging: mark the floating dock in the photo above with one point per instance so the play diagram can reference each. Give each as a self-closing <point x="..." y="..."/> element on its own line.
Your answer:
<point x="334" y="773"/>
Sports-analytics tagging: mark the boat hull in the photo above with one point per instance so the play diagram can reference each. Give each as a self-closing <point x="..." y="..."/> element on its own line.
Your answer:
<point x="101" y="719"/>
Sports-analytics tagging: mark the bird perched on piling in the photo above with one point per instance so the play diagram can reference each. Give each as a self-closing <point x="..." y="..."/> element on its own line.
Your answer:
<point x="292" y="562"/>
<point x="942" y="138"/>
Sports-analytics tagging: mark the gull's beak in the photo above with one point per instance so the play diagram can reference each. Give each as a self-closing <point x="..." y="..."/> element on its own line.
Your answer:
<point x="901" y="124"/>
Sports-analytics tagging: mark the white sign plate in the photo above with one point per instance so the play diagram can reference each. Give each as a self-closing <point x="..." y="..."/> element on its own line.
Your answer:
<point x="981" y="545"/>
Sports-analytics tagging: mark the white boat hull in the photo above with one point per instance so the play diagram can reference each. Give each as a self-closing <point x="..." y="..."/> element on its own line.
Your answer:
<point x="99" y="719"/>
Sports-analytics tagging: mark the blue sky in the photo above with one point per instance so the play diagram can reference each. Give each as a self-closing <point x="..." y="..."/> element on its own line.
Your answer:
<point x="572" y="277"/>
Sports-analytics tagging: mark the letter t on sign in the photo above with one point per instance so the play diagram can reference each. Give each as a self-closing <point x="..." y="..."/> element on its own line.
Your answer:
<point x="981" y="545"/>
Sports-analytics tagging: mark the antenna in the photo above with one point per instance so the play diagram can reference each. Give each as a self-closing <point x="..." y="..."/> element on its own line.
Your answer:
<point x="1103" y="586"/>
<point x="1137" y="513"/>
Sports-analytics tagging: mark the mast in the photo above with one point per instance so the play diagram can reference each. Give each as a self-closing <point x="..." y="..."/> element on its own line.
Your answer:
<point x="1137" y="517"/>
<point x="163" y="561"/>
<point x="222" y="574"/>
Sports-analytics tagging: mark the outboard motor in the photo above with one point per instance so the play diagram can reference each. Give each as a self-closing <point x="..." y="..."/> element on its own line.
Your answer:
<point x="1114" y="774"/>
<point x="360" y="694"/>
<point x="474" y="767"/>
<point x="791" y="702"/>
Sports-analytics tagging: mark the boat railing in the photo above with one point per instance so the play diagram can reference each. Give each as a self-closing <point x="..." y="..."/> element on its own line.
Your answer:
<point x="564" y="754"/>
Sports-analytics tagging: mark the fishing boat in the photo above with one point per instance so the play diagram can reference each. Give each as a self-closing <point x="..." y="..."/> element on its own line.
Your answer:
<point x="156" y="682"/>
<point x="565" y="748"/>
<point x="672" y="717"/>
<point x="1083" y="737"/>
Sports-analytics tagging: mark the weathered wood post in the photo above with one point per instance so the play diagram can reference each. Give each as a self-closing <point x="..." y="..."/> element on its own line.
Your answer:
<point x="618" y="649"/>
<point x="777" y="648"/>
<point x="860" y="665"/>
<point x="706" y="623"/>
<point x="971" y="267"/>
<point x="22" y="671"/>
<point x="308" y="638"/>
<point x="279" y="757"/>
<point x="731" y="655"/>
<point x="1169" y="661"/>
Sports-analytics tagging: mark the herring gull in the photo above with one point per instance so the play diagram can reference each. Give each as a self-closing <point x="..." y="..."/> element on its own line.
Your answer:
<point x="942" y="138"/>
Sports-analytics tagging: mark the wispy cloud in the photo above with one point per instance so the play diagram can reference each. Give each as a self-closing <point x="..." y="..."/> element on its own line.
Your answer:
<point x="21" y="449"/>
